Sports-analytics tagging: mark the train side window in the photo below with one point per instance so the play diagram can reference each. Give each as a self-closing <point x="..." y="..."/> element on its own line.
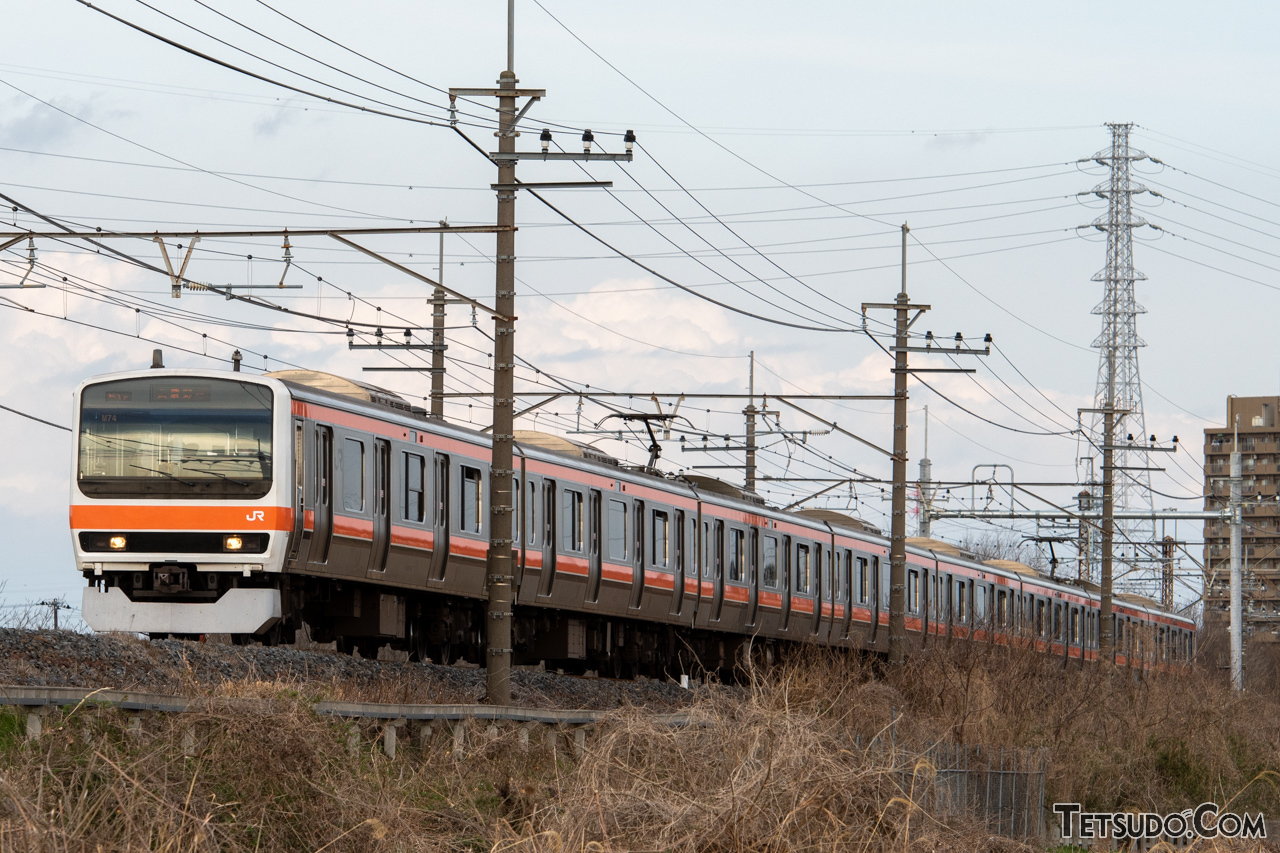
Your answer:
<point x="472" y="514"/>
<point x="962" y="602"/>
<point x="913" y="591"/>
<point x="980" y="602"/>
<point x="517" y="521"/>
<point x="824" y="572"/>
<point x="864" y="581"/>
<point x="837" y="575"/>
<point x="571" y="520"/>
<point x="802" y="569"/>
<point x="706" y="549"/>
<point x="1002" y="607"/>
<point x="737" y="555"/>
<point x="415" y="493"/>
<point x="1040" y="622"/>
<point x="769" y="562"/>
<point x="531" y="505"/>
<point x="617" y="530"/>
<point x="661" y="540"/>
<point x="1057" y="621"/>
<point x="353" y="474"/>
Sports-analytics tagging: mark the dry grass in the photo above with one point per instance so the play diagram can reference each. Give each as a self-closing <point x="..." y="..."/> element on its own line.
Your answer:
<point x="803" y="758"/>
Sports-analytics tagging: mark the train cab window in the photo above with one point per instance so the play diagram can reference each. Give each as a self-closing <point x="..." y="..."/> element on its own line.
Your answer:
<point x="769" y="562"/>
<point x="415" y="494"/>
<point x="617" y="530"/>
<point x="802" y="569"/>
<point x="353" y="475"/>
<point x="863" y="581"/>
<point x="913" y="591"/>
<point x="571" y="533"/>
<point x="660" y="550"/>
<point x="737" y="555"/>
<point x="962" y="602"/>
<point x="471" y="511"/>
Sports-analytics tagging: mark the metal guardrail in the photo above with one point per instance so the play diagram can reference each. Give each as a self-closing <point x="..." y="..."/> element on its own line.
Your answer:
<point x="36" y="697"/>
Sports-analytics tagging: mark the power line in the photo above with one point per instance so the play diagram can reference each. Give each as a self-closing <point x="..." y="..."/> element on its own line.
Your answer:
<point x="34" y="418"/>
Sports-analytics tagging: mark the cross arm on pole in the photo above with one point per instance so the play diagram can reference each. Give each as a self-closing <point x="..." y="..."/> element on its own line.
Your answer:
<point x="419" y="276"/>
<point x="834" y="426"/>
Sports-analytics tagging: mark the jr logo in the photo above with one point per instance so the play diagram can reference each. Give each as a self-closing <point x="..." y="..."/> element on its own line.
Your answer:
<point x="256" y="515"/>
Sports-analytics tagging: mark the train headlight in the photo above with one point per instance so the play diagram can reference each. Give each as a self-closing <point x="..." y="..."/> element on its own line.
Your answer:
<point x="117" y="543"/>
<point x="233" y="543"/>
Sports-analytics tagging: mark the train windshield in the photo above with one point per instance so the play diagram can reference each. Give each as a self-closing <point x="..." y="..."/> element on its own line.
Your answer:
<point x="175" y="438"/>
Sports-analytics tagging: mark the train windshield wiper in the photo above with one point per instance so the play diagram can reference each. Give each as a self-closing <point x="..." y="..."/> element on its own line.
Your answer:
<point x="164" y="474"/>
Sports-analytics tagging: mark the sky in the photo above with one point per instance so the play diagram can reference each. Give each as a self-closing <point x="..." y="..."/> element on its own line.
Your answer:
<point x="781" y="147"/>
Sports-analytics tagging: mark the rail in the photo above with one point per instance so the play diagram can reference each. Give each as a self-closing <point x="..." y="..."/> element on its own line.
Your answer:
<point x="129" y="700"/>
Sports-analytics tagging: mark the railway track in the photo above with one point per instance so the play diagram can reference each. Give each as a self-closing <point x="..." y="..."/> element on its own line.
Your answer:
<point x="179" y="671"/>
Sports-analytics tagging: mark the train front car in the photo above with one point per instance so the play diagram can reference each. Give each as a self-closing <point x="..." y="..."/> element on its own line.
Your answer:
<point x="180" y="502"/>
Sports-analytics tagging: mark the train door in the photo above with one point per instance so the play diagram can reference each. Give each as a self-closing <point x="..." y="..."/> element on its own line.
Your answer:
<point x="717" y="569"/>
<point x="637" y="558"/>
<point x="677" y="584"/>
<point x="381" y="507"/>
<point x="322" y="476"/>
<point x="753" y="577"/>
<point x="440" y="517"/>
<point x="784" y="577"/>
<point x="297" y="534"/>
<point x="875" y="598"/>
<point x="594" y="557"/>
<point x="848" y="594"/>
<point x="547" y="579"/>
<point x="819" y="589"/>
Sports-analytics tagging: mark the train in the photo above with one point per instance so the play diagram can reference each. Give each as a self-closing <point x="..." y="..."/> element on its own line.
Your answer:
<point x="255" y="506"/>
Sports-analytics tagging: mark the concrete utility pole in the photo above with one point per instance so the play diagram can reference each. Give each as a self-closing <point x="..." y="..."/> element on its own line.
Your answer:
<point x="898" y="523"/>
<point x="926" y="482"/>
<point x="750" y="412"/>
<point x="1106" y="641"/>
<point x="437" y="338"/>
<point x="500" y="575"/>
<point x="902" y="308"/>
<point x="1237" y="593"/>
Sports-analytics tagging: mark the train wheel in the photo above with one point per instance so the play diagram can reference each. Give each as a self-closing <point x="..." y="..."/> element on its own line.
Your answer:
<point x="343" y="645"/>
<point x="444" y="653"/>
<point x="240" y="639"/>
<point x="416" y="641"/>
<point x="157" y="636"/>
<point x="367" y="648"/>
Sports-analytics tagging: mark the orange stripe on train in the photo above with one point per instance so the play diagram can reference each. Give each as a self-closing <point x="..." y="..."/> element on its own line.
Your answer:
<point x="165" y="517"/>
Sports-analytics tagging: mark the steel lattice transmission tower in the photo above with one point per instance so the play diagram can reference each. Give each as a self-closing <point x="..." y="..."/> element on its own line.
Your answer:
<point x="1119" y="384"/>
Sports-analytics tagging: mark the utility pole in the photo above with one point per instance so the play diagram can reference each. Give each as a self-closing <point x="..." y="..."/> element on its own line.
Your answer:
<point x="1167" y="546"/>
<point x="500" y="579"/>
<point x="750" y="413"/>
<point x="926" y="482"/>
<point x="1237" y="592"/>
<point x="437" y="338"/>
<point x="1106" y="641"/>
<point x="902" y="308"/>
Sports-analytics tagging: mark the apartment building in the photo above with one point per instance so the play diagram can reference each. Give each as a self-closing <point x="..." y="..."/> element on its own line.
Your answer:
<point x="1254" y="420"/>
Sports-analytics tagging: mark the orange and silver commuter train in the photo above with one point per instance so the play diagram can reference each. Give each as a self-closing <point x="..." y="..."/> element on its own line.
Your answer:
<point x="212" y="502"/>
